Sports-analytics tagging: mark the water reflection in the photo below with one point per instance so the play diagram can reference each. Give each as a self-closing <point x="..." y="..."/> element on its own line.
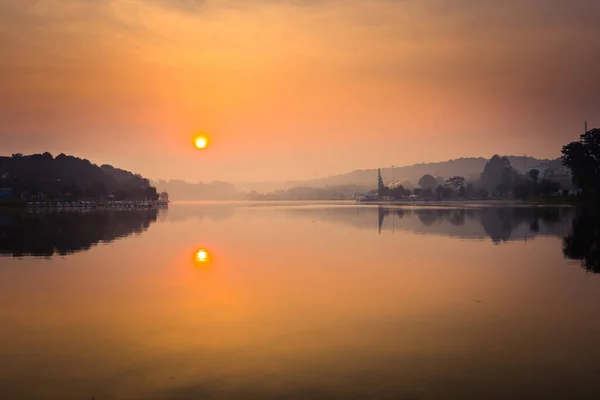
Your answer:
<point x="308" y="301"/>
<point x="583" y="242"/>
<point x="47" y="233"/>
<point x="201" y="211"/>
<point x="579" y="228"/>
<point x="500" y="224"/>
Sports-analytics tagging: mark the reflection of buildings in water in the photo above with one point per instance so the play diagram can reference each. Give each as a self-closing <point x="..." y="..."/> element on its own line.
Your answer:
<point x="52" y="232"/>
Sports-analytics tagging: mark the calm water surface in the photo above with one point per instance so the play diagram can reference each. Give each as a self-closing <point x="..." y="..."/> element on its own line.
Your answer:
<point x="300" y="301"/>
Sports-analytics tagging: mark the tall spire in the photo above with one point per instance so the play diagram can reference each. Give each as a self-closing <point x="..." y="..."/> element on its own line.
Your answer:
<point x="380" y="185"/>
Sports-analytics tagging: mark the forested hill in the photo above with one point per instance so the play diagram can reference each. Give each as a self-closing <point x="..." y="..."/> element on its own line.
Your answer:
<point x="79" y="178"/>
<point x="470" y="168"/>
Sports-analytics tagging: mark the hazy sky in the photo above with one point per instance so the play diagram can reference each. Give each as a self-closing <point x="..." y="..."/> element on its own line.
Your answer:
<point x="298" y="88"/>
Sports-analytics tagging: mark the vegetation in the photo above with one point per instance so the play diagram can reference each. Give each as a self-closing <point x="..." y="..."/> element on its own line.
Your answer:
<point x="551" y="181"/>
<point x="428" y="182"/>
<point x="42" y="176"/>
<point x="583" y="159"/>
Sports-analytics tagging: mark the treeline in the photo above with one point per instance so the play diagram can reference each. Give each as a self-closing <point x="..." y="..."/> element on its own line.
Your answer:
<point x="576" y="173"/>
<point x="42" y="176"/>
<point x="498" y="180"/>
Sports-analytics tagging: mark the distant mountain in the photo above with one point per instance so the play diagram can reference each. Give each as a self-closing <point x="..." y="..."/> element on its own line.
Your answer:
<point x="470" y="168"/>
<point x="341" y="186"/>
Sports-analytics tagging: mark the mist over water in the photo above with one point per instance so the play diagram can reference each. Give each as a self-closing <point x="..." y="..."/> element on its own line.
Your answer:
<point x="300" y="301"/>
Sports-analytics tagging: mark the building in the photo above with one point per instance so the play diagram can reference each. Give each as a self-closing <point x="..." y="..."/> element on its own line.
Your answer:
<point x="368" y="197"/>
<point x="164" y="196"/>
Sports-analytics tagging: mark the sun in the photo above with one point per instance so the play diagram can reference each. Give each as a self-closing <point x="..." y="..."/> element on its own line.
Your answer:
<point x="201" y="256"/>
<point x="201" y="142"/>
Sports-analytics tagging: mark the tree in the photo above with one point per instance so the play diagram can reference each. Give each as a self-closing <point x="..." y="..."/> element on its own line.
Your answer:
<point x="456" y="181"/>
<point x="96" y="190"/>
<point x="399" y="192"/>
<point x="498" y="175"/>
<point x="382" y="190"/>
<point x="583" y="159"/>
<point x="57" y="177"/>
<point x="471" y="192"/>
<point x="502" y="189"/>
<point x="439" y="191"/>
<point x="522" y="191"/>
<point x="428" y="182"/>
<point x="380" y="184"/>
<point x="548" y="187"/>
<point x="534" y="175"/>
<point x="483" y="193"/>
<point x="121" y="195"/>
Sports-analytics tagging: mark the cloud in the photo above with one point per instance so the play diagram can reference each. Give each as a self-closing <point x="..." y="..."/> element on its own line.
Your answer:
<point x="307" y="67"/>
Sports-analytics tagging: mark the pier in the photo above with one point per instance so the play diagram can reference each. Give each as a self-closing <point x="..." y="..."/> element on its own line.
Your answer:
<point x="124" y="204"/>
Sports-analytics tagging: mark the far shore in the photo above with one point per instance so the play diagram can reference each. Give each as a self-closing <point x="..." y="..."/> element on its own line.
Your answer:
<point x="461" y="203"/>
<point x="559" y="202"/>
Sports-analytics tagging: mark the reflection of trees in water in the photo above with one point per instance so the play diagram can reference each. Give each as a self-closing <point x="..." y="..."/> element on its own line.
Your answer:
<point x="499" y="223"/>
<point x="583" y="243"/>
<point x="455" y="216"/>
<point x="47" y="233"/>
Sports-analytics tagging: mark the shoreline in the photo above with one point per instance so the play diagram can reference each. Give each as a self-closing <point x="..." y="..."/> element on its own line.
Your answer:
<point x="462" y="203"/>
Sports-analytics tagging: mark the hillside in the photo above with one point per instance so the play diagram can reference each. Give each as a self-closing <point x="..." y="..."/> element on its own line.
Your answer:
<point x="340" y="186"/>
<point x="57" y="177"/>
<point x="470" y="168"/>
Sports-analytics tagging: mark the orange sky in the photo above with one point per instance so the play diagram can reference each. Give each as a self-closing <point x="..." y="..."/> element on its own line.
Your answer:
<point x="295" y="89"/>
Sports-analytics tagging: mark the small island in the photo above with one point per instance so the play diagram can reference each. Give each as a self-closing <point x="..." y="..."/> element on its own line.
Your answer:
<point x="41" y="180"/>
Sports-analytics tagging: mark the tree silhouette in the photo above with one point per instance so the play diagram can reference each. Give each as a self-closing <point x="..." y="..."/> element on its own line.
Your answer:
<point x="456" y="181"/>
<point x="583" y="158"/>
<point x="67" y="176"/>
<point x="534" y="174"/>
<point x="428" y="182"/>
<point x="382" y="190"/>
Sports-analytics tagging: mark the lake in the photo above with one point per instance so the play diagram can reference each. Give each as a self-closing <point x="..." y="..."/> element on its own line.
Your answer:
<point x="300" y="301"/>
